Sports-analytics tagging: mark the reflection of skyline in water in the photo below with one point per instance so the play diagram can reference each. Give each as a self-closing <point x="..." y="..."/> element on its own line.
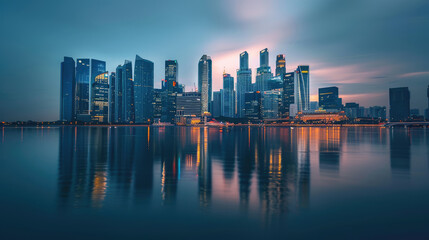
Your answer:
<point x="268" y="168"/>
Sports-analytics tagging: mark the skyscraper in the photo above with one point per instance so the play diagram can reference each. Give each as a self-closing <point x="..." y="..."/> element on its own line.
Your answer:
<point x="170" y="91"/>
<point x="100" y="98"/>
<point x="119" y="113"/>
<point x="270" y="104"/>
<point x="205" y="82"/>
<point x="228" y="96"/>
<point x="263" y="74"/>
<point x="328" y="98"/>
<point x="217" y="104"/>
<point x="127" y="92"/>
<point x="112" y="93"/>
<point x="399" y="99"/>
<point x="82" y="88"/>
<point x="244" y="83"/>
<point x="143" y="90"/>
<point x="288" y="97"/>
<point x="280" y="65"/>
<point x="302" y="88"/>
<point x="67" y="94"/>
<point x="253" y="102"/>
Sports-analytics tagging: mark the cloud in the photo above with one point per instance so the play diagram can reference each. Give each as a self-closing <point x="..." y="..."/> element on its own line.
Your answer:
<point x="413" y="74"/>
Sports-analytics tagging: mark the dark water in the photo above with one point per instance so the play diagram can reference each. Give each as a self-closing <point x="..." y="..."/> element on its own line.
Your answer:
<point x="210" y="183"/>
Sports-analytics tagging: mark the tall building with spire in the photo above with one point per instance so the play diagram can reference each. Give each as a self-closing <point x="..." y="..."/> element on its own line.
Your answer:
<point x="263" y="74"/>
<point x="67" y="94"/>
<point x="143" y="90"/>
<point x="205" y="82"/>
<point x="244" y="83"/>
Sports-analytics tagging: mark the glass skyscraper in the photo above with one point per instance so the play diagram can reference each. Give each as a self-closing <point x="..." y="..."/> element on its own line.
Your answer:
<point x="112" y="93"/>
<point x="67" y="95"/>
<point x="288" y="97"/>
<point x="119" y="113"/>
<point x="228" y="96"/>
<point x="302" y="88"/>
<point x="205" y="82"/>
<point x="328" y="98"/>
<point x="399" y="99"/>
<point x="97" y="67"/>
<point x="100" y="98"/>
<point x="280" y="65"/>
<point x="127" y="92"/>
<point x="143" y="90"/>
<point x="171" y="87"/>
<point x="82" y="87"/>
<point x="244" y="83"/>
<point x="263" y="74"/>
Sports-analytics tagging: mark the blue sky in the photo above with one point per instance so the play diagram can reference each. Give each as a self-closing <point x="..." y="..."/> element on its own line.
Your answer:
<point x="363" y="47"/>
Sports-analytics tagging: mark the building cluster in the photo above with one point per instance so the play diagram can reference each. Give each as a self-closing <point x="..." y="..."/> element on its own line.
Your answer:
<point x="90" y="94"/>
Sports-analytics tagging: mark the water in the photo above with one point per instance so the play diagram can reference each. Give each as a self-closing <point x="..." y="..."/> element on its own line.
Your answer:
<point x="211" y="183"/>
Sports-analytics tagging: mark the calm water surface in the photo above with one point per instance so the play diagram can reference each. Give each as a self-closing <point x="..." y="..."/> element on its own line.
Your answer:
<point x="211" y="183"/>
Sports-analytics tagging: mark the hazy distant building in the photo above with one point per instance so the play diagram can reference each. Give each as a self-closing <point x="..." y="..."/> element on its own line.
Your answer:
<point x="217" y="104"/>
<point x="112" y="92"/>
<point x="302" y="88"/>
<point x="328" y="98"/>
<point x="67" y="93"/>
<point x="280" y="65"/>
<point x="188" y="104"/>
<point x="253" y="105"/>
<point x="414" y="112"/>
<point x="263" y="74"/>
<point x="127" y="92"/>
<point x="119" y="113"/>
<point x="288" y="96"/>
<point x="205" y="82"/>
<point x="399" y="99"/>
<point x="314" y="105"/>
<point x="228" y="96"/>
<point x="143" y="90"/>
<point x="157" y="104"/>
<point x="82" y="87"/>
<point x="352" y="110"/>
<point x="377" y="112"/>
<point x="100" y="98"/>
<point x="244" y="83"/>
<point x="171" y="87"/>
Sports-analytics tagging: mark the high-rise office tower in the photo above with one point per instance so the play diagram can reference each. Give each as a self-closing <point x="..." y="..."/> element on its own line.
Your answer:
<point x="112" y="93"/>
<point x="127" y="92"/>
<point x="82" y="88"/>
<point x="188" y="104"/>
<point x="171" y="86"/>
<point x="399" y="99"/>
<point x="328" y="98"/>
<point x="280" y="65"/>
<point x="271" y="102"/>
<point x="100" y="98"/>
<point x="244" y="83"/>
<point x="143" y="90"/>
<point x="228" y="96"/>
<point x="157" y="104"/>
<point x="288" y="97"/>
<point x="302" y="88"/>
<point x="119" y="113"/>
<point x="67" y="94"/>
<point x="253" y="101"/>
<point x="205" y="82"/>
<point x="217" y="104"/>
<point x="263" y="74"/>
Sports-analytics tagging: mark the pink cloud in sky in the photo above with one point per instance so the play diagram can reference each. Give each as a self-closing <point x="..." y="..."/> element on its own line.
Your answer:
<point x="413" y="74"/>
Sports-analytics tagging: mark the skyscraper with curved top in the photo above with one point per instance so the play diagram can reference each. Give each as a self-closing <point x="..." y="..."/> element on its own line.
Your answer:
<point x="302" y="88"/>
<point x="244" y="83"/>
<point x="205" y="82"/>
<point x="143" y="90"/>
<point x="100" y="98"/>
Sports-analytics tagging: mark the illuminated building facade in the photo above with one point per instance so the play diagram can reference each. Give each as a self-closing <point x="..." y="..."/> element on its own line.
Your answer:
<point x="288" y="96"/>
<point x="205" y="82"/>
<point x="188" y="104"/>
<point x="328" y="98"/>
<point x="228" y="96"/>
<point x="100" y="98"/>
<point x="399" y="99"/>
<point x="143" y="90"/>
<point x="171" y="87"/>
<point x="244" y="83"/>
<point x="67" y="95"/>
<point x="280" y="65"/>
<point x="302" y="88"/>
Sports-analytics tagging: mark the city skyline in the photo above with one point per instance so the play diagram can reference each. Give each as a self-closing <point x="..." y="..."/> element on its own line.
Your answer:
<point x="363" y="67"/>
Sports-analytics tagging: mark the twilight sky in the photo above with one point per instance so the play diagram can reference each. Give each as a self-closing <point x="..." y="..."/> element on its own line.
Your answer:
<point x="362" y="46"/>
